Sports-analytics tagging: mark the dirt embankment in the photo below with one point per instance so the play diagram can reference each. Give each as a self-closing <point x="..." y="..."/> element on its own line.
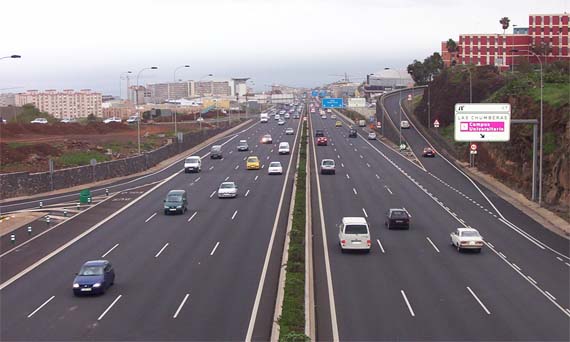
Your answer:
<point x="509" y="162"/>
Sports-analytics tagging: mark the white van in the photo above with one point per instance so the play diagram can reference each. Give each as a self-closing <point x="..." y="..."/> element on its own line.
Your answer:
<point x="284" y="147"/>
<point x="193" y="164"/>
<point x="263" y="117"/>
<point x="354" y="234"/>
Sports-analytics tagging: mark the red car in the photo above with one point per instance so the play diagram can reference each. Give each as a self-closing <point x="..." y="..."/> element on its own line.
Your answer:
<point x="428" y="152"/>
<point x="322" y="141"/>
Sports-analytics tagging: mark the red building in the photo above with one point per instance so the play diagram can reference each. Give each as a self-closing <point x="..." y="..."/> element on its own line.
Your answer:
<point x="547" y="36"/>
<point x="448" y="57"/>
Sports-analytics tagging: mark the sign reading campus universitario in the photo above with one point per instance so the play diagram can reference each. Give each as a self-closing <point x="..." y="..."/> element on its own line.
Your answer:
<point x="482" y="122"/>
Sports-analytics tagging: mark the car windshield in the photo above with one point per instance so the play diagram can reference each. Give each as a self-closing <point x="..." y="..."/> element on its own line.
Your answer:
<point x="470" y="234"/>
<point x="356" y="229"/>
<point x="174" y="198"/>
<point x="399" y="214"/>
<point x="251" y="159"/>
<point x="227" y="186"/>
<point x="192" y="159"/>
<point x="91" y="270"/>
<point x="275" y="164"/>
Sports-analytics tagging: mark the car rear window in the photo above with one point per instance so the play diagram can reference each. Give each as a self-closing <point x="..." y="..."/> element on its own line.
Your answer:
<point x="275" y="164"/>
<point x="252" y="159"/>
<point x="470" y="234"/>
<point x="328" y="162"/>
<point x="227" y="186"/>
<point x="399" y="214"/>
<point x="356" y="229"/>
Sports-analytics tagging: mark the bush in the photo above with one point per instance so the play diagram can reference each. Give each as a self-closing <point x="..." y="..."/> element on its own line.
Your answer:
<point x="80" y="158"/>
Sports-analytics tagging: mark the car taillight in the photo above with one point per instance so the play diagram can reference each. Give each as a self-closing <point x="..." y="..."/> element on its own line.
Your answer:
<point x="368" y="242"/>
<point x="343" y="242"/>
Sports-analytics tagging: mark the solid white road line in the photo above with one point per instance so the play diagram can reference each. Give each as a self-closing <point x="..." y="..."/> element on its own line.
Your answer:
<point x="364" y="211"/>
<point x="567" y="264"/>
<point x="479" y="301"/>
<point x="228" y="177"/>
<point x="109" y="251"/>
<point x="431" y="242"/>
<point x="109" y="308"/>
<point x="532" y="280"/>
<point x="559" y="259"/>
<point x="502" y="255"/>
<point x="234" y="215"/>
<point x="41" y="306"/>
<point x="214" y="249"/>
<point x="354" y="190"/>
<point x="551" y="296"/>
<point x="408" y="303"/>
<point x="380" y="245"/>
<point x="150" y="218"/>
<point x="181" y="305"/>
<point x="196" y="180"/>
<point x="213" y="193"/>
<point x="515" y="266"/>
<point x="247" y="193"/>
<point x="388" y="189"/>
<point x="191" y="217"/>
<point x="162" y="249"/>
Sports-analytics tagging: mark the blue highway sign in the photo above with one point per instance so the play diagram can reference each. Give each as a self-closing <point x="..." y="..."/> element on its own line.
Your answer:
<point x="332" y="102"/>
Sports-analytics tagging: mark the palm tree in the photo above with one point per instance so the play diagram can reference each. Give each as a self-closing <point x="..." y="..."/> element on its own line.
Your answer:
<point x="451" y="45"/>
<point x="505" y="23"/>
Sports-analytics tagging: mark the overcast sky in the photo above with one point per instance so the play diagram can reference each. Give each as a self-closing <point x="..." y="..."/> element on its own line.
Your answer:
<point x="88" y="44"/>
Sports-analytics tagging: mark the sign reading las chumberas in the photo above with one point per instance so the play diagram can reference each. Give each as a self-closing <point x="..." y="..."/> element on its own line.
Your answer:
<point x="482" y="122"/>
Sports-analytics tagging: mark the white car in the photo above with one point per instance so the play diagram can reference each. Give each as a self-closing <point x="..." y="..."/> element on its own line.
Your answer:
<point x="275" y="168"/>
<point x="132" y="119"/>
<point x="284" y="147"/>
<point x="327" y="166"/>
<point x="39" y="121"/>
<point x="324" y="116"/>
<point x="113" y="119"/>
<point x="289" y="131"/>
<point x="466" y="238"/>
<point x="281" y="122"/>
<point x="277" y="117"/>
<point x="333" y="116"/>
<point x="286" y="116"/>
<point x="371" y="136"/>
<point x="68" y="120"/>
<point x="404" y="124"/>
<point x="329" y="110"/>
<point x="200" y="119"/>
<point x="354" y="234"/>
<point x="227" y="189"/>
<point x="193" y="164"/>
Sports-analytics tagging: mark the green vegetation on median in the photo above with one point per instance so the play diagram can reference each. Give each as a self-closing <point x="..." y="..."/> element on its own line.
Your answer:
<point x="292" y="320"/>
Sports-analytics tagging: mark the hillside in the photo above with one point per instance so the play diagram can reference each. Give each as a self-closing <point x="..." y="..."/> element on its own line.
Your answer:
<point x="511" y="162"/>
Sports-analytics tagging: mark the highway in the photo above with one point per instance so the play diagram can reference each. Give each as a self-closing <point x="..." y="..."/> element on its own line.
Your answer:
<point x="414" y="284"/>
<point x="209" y="274"/>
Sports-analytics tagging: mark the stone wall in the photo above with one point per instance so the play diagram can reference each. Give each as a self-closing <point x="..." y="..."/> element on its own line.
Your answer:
<point x="25" y="183"/>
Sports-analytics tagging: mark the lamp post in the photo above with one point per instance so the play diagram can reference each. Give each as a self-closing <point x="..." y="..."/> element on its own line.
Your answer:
<point x="136" y="105"/>
<point x="399" y="104"/>
<point x="541" y="124"/>
<point x="126" y="73"/>
<point x="11" y="56"/>
<point x="175" y="126"/>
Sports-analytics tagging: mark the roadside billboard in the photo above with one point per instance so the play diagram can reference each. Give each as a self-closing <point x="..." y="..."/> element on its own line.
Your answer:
<point x="332" y="102"/>
<point x="357" y="102"/>
<point x="482" y="122"/>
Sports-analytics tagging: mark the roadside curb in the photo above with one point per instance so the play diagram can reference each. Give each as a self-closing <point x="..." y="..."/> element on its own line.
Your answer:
<point x="157" y="168"/>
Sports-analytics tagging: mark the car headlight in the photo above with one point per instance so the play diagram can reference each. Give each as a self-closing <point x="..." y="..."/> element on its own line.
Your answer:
<point x="75" y="286"/>
<point x="97" y="285"/>
<point x="165" y="207"/>
<point x="179" y="206"/>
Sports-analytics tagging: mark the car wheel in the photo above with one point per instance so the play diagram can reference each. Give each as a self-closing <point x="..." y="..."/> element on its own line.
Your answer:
<point x="479" y="250"/>
<point x="334" y="172"/>
<point x="458" y="248"/>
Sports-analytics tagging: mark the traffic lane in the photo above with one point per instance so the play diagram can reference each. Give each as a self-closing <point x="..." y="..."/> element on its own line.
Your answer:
<point x="114" y="186"/>
<point x="125" y="224"/>
<point x="361" y="178"/>
<point x="542" y="265"/>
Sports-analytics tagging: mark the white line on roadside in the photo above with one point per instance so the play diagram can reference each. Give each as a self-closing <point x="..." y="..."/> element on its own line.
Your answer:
<point x="361" y="156"/>
<point x="162" y="249"/>
<point x="244" y="158"/>
<point x="247" y="193"/>
<point x="515" y="266"/>
<point x="532" y="280"/>
<point x="181" y="305"/>
<point x="388" y="189"/>
<point x="196" y="180"/>
<point x="377" y="176"/>
<point x="271" y="151"/>
<point x="567" y="264"/>
<point x="234" y="215"/>
<point x="41" y="306"/>
<point x="211" y="167"/>
<point x="479" y="301"/>
<point x="215" y="247"/>
<point x="213" y="193"/>
<point x="550" y="295"/>
<point x="380" y="245"/>
<point x="559" y="259"/>
<point x="237" y="167"/>
<point x="256" y="178"/>
<point x="109" y="308"/>
<point x="502" y="255"/>
<point x="109" y="251"/>
<point x="354" y="190"/>
<point x="342" y="164"/>
<point x="267" y="157"/>
<point x="364" y="211"/>
<point x="347" y="176"/>
<point x="262" y="166"/>
<point x="408" y="303"/>
<point x="431" y="242"/>
<point x="490" y="244"/>
<point x="150" y="218"/>
<point x="228" y="177"/>
<point x="191" y="217"/>
<point x="338" y="155"/>
<point x="367" y="164"/>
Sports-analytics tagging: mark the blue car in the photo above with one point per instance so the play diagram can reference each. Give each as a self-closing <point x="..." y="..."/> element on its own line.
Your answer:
<point x="95" y="277"/>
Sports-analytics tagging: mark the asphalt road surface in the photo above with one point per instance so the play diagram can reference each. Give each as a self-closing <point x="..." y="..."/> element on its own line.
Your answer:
<point x="209" y="274"/>
<point x="414" y="284"/>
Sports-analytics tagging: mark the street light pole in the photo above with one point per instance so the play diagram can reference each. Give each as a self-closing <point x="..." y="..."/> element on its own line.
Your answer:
<point x="136" y="105"/>
<point x="175" y="126"/>
<point x="541" y="125"/>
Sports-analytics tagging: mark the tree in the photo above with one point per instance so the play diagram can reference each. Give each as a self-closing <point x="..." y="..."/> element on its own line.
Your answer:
<point x="451" y="46"/>
<point x="505" y="23"/>
<point x="423" y="72"/>
<point x="542" y="49"/>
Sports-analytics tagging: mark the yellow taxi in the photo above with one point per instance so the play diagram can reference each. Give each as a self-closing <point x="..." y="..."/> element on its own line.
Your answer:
<point x="338" y="124"/>
<point x="252" y="163"/>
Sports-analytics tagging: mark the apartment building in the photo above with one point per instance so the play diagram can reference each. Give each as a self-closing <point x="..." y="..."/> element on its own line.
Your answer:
<point x="63" y="104"/>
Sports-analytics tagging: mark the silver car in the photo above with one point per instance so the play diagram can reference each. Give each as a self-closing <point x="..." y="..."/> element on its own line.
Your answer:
<point x="227" y="189"/>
